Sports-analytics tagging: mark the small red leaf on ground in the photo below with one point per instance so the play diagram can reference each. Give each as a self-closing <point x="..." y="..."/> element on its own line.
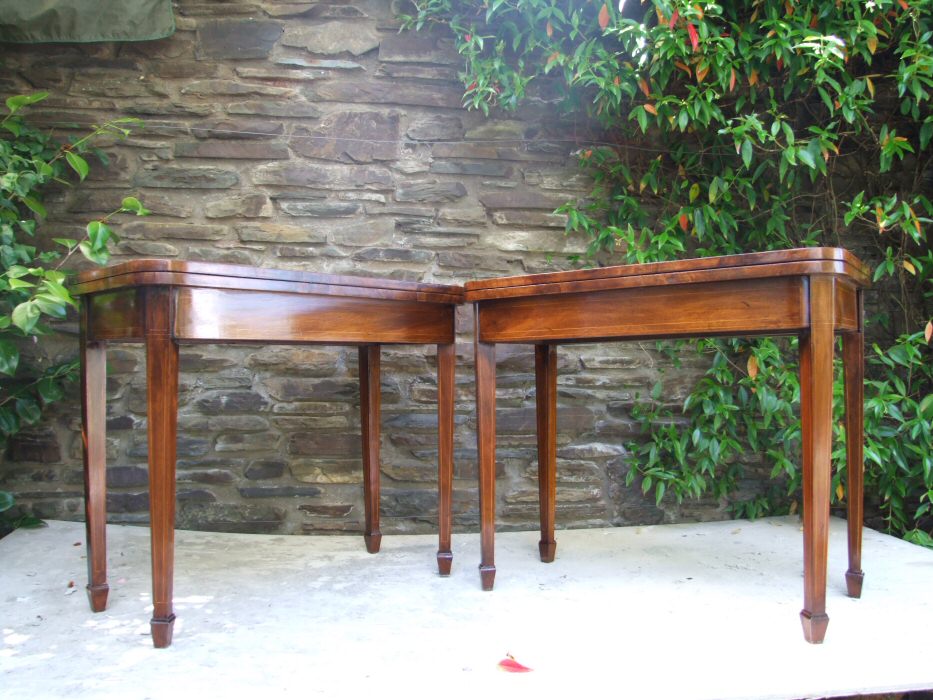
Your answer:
<point x="510" y="665"/>
<point x="694" y="37"/>
<point x="604" y="16"/>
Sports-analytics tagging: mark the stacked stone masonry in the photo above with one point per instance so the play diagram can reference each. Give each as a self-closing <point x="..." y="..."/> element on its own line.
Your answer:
<point x="316" y="136"/>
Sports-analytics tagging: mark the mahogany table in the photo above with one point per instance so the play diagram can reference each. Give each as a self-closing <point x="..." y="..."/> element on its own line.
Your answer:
<point x="163" y="303"/>
<point x="812" y="293"/>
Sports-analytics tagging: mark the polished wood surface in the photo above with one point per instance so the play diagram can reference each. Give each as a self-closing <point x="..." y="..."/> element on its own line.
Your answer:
<point x="370" y="409"/>
<point x="546" y="404"/>
<point x="725" y="267"/>
<point x="94" y="410"/>
<point x="446" y="365"/>
<point x="162" y="408"/>
<point x="811" y="293"/>
<point x="163" y="303"/>
<point x="180" y="273"/>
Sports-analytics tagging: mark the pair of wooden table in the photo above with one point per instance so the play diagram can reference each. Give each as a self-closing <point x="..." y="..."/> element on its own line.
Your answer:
<point x="812" y="293"/>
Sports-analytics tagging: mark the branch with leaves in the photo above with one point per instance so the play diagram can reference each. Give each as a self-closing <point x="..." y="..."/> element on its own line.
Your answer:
<point x="33" y="282"/>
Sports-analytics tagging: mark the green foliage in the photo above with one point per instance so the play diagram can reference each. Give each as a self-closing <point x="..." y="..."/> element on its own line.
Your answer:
<point x="737" y="127"/>
<point x="33" y="281"/>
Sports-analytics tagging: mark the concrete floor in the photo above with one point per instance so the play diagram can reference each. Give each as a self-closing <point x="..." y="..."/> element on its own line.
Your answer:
<point x="676" y="611"/>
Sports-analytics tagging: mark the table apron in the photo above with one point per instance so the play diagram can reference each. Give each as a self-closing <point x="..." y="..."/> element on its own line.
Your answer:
<point x="230" y="316"/>
<point x="774" y="306"/>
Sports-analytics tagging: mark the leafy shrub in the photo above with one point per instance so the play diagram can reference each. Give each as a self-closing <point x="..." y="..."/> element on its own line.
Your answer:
<point x="32" y="280"/>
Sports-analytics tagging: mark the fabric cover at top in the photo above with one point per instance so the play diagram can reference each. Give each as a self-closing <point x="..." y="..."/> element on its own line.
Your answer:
<point x="44" y="21"/>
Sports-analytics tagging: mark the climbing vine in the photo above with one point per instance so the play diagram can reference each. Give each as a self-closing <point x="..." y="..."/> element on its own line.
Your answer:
<point x="719" y="128"/>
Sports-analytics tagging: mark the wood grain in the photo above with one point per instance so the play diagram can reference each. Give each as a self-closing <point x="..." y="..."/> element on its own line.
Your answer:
<point x="230" y="316"/>
<point x="853" y="358"/>
<point x="162" y="401"/>
<point x="546" y="395"/>
<point x="370" y="419"/>
<point x="735" y="307"/>
<point x="797" y="261"/>
<point x="94" y="440"/>
<point x="446" y="365"/>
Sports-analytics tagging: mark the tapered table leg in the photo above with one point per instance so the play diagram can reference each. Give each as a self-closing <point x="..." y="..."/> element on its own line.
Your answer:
<point x="853" y="360"/>
<point x="162" y="399"/>
<point x="546" y="398"/>
<point x="486" y="455"/>
<point x="370" y="419"/>
<point x="446" y="358"/>
<point x="94" y="434"/>
<point x="816" y="403"/>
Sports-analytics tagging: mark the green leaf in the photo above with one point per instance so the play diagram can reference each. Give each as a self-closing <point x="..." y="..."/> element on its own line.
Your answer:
<point x="25" y="316"/>
<point x="747" y="153"/>
<point x="131" y="204"/>
<point x="77" y="163"/>
<point x="926" y="407"/>
<point x="713" y="190"/>
<point x="35" y="205"/>
<point x="17" y="102"/>
<point x="694" y="192"/>
<point x="29" y="522"/>
<point x="6" y="500"/>
<point x="19" y="284"/>
<point x="96" y="256"/>
<point x="9" y="358"/>
<point x="806" y="157"/>
<point x="28" y="410"/>
<point x="49" y="390"/>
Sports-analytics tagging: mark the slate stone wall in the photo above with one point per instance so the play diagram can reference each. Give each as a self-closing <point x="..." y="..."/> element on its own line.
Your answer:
<point x="315" y="136"/>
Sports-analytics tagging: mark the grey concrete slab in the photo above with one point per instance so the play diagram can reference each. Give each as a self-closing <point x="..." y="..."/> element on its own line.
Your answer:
<point x="677" y="611"/>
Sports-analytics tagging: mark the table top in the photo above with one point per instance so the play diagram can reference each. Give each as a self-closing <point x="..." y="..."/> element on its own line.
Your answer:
<point x="155" y="271"/>
<point x="779" y="263"/>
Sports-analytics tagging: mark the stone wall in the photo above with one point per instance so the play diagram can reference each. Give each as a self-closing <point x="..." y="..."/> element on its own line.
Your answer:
<point x="316" y="136"/>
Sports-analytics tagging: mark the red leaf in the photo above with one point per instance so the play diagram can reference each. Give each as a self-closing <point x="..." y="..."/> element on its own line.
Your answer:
<point x="604" y="16"/>
<point x="643" y="85"/>
<point x="510" y="665"/>
<point x="694" y="37"/>
<point x="673" y="19"/>
<point x="732" y="81"/>
<point x="928" y="331"/>
<point x="650" y="108"/>
<point x="684" y="222"/>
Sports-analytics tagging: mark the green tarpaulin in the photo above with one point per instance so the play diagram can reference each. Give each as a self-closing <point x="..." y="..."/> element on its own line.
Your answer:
<point x="44" y="21"/>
